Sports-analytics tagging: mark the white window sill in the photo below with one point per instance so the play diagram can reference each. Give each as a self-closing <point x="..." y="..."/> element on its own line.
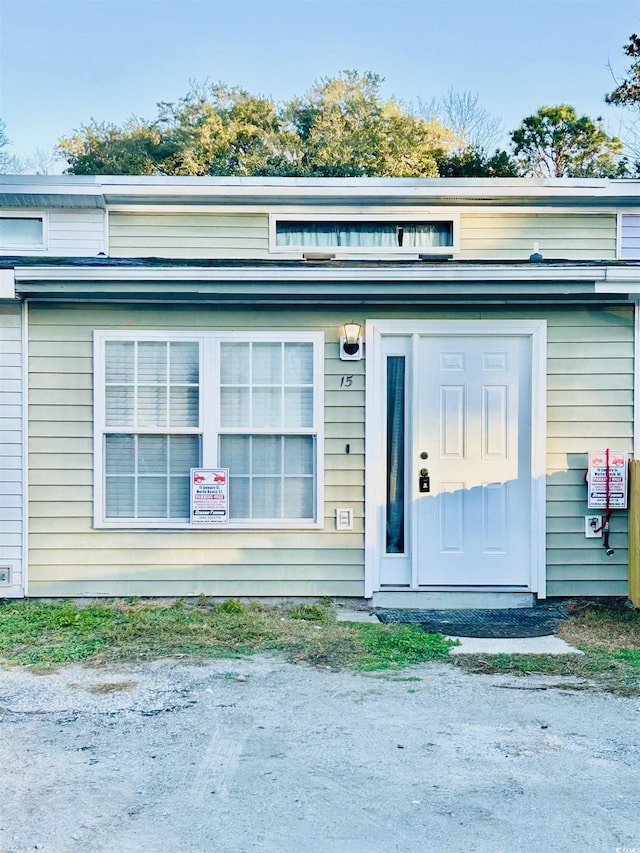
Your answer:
<point x="264" y="526"/>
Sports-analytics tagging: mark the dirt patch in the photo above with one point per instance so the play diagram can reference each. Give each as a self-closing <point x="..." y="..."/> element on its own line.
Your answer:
<point x="237" y="756"/>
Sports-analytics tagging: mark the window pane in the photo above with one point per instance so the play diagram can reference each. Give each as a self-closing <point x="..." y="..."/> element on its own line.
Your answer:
<point x="184" y="406"/>
<point x="21" y="232"/>
<point x="184" y="454"/>
<point x="119" y="405"/>
<point x="234" y="407"/>
<point x="152" y="497"/>
<point x="298" y="454"/>
<point x="119" y="361"/>
<point x="152" y="405"/>
<point x="298" y="364"/>
<point x="266" y="407"/>
<point x="298" y="497"/>
<point x="298" y="407"/>
<point x="266" y="363"/>
<point x="184" y="362"/>
<point x="266" y="497"/>
<point x="152" y="361"/>
<point x="266" y="455"/>
<point x="119" y="454"/>
<point x="239" y="501"/>
<point x="120" y="497"/>
<point x="234" y="364"/>
<point x="180" y="497"/>
<point x="428" y="234"/>
<point x="152" y="454"/>
<point x="234" y="453"/>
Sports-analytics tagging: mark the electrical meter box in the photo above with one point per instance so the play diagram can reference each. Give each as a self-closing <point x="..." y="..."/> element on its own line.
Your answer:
<point x="607" y="479"/>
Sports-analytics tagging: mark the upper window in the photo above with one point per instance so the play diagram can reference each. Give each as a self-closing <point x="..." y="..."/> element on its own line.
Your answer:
<point x="364" y="234"/>
<point x="168" y="403"/>
<point x="24" y="233"/>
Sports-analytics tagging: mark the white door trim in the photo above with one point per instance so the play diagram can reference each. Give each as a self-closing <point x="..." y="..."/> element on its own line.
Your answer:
<point x="375" y="454"/>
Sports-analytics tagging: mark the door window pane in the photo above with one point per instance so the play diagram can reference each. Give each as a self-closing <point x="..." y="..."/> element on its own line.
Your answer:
<point x="395" y="454"/>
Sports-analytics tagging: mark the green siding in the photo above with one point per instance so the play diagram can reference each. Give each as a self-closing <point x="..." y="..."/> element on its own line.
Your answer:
<point x="494" y="236"/>
<point x="590" y="404"/>
<point x="503" y="236"/>
<point x="68" y="557"/>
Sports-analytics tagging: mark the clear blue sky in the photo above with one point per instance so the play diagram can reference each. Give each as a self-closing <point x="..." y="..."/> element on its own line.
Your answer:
<point x="63" y="62"/>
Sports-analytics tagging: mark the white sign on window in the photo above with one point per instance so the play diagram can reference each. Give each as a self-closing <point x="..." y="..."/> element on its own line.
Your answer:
<point x="607" y="483"/>
<point x="209" y="497"/>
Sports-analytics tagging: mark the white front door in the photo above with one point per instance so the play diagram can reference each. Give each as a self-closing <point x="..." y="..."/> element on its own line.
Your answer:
<point x="463" y="406"/>
<point x="473" y="526"/>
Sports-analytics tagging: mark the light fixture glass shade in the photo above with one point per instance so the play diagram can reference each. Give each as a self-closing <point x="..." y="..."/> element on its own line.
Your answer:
<point x="352" y="332"/>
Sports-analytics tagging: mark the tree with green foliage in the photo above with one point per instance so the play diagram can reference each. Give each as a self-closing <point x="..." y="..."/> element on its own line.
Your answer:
<point x="475" y="163"/>
<point x="627" y="93"/>
<point x="213" y="130"/>
<point x="555" y="142"/>
<point x="340" y="127"/>
<point x="345" y="128"/>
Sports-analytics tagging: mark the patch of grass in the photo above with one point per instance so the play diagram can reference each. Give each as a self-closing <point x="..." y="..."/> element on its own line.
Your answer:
<point x="608" y="634"/>
<point x="41" y="635"/>
<point x="312" y="612"/>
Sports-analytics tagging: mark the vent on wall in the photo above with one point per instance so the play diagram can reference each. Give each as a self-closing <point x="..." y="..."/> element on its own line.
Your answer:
<point x="5" y="575"/>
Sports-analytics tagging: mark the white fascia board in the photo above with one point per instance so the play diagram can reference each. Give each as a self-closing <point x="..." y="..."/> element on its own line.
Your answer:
<point x="325" y="273"/>
<point x="439" y="206"/>
<point x="620" y="280"/>
<point x="401" y="190"/>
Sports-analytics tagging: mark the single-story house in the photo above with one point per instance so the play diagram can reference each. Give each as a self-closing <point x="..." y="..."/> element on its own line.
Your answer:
<point x="379" y="388"/>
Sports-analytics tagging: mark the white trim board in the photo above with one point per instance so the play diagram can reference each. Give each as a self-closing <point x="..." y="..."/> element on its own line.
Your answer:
<point x="536" y="331"/>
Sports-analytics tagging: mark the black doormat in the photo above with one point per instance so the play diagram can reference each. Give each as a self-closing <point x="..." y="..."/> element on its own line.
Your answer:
<point x="508" y="622"/>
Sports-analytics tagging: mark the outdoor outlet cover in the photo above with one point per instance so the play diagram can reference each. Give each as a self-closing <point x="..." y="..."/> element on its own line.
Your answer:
<point x="591" y="525"/>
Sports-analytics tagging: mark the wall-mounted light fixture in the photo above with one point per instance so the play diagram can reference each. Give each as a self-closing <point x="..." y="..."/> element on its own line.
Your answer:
<point x="351" y="342"/>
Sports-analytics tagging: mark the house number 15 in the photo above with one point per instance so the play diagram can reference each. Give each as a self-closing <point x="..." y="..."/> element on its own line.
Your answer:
<point x="346" y="381"/>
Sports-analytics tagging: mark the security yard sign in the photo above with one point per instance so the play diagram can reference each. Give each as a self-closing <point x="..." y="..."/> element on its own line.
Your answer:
<point x="607" y="479"/>
<point x="209" y="497"/>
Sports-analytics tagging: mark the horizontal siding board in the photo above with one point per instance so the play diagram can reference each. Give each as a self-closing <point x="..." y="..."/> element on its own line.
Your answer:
<point x="586" y="589"/>
<point x="588" y="572"/>
<point x="605" y="429"/>
<point x="567" y="541"/>
<point x="610" y="381"/>
<point x="598" y="412"/>
<point x="591" y="397"/>
<point x="601" y="349"/>
<point x="143" y="559"/>
<point x="187" y="587"/>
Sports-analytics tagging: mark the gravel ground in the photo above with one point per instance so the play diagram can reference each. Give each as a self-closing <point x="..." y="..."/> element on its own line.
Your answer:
<point x="260" y="755"/>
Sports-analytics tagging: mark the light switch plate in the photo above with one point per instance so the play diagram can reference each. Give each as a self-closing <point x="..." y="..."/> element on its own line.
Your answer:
<point x="344" y="518"/>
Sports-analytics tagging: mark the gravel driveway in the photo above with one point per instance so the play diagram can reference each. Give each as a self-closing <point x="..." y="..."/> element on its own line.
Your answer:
<point x="260" y="755"/>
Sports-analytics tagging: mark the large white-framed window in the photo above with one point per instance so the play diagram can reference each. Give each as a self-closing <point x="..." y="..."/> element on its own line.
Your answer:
<point x="373" y="234"/>
<point x="23" y="232"/>
<point x="166" y="402"/>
